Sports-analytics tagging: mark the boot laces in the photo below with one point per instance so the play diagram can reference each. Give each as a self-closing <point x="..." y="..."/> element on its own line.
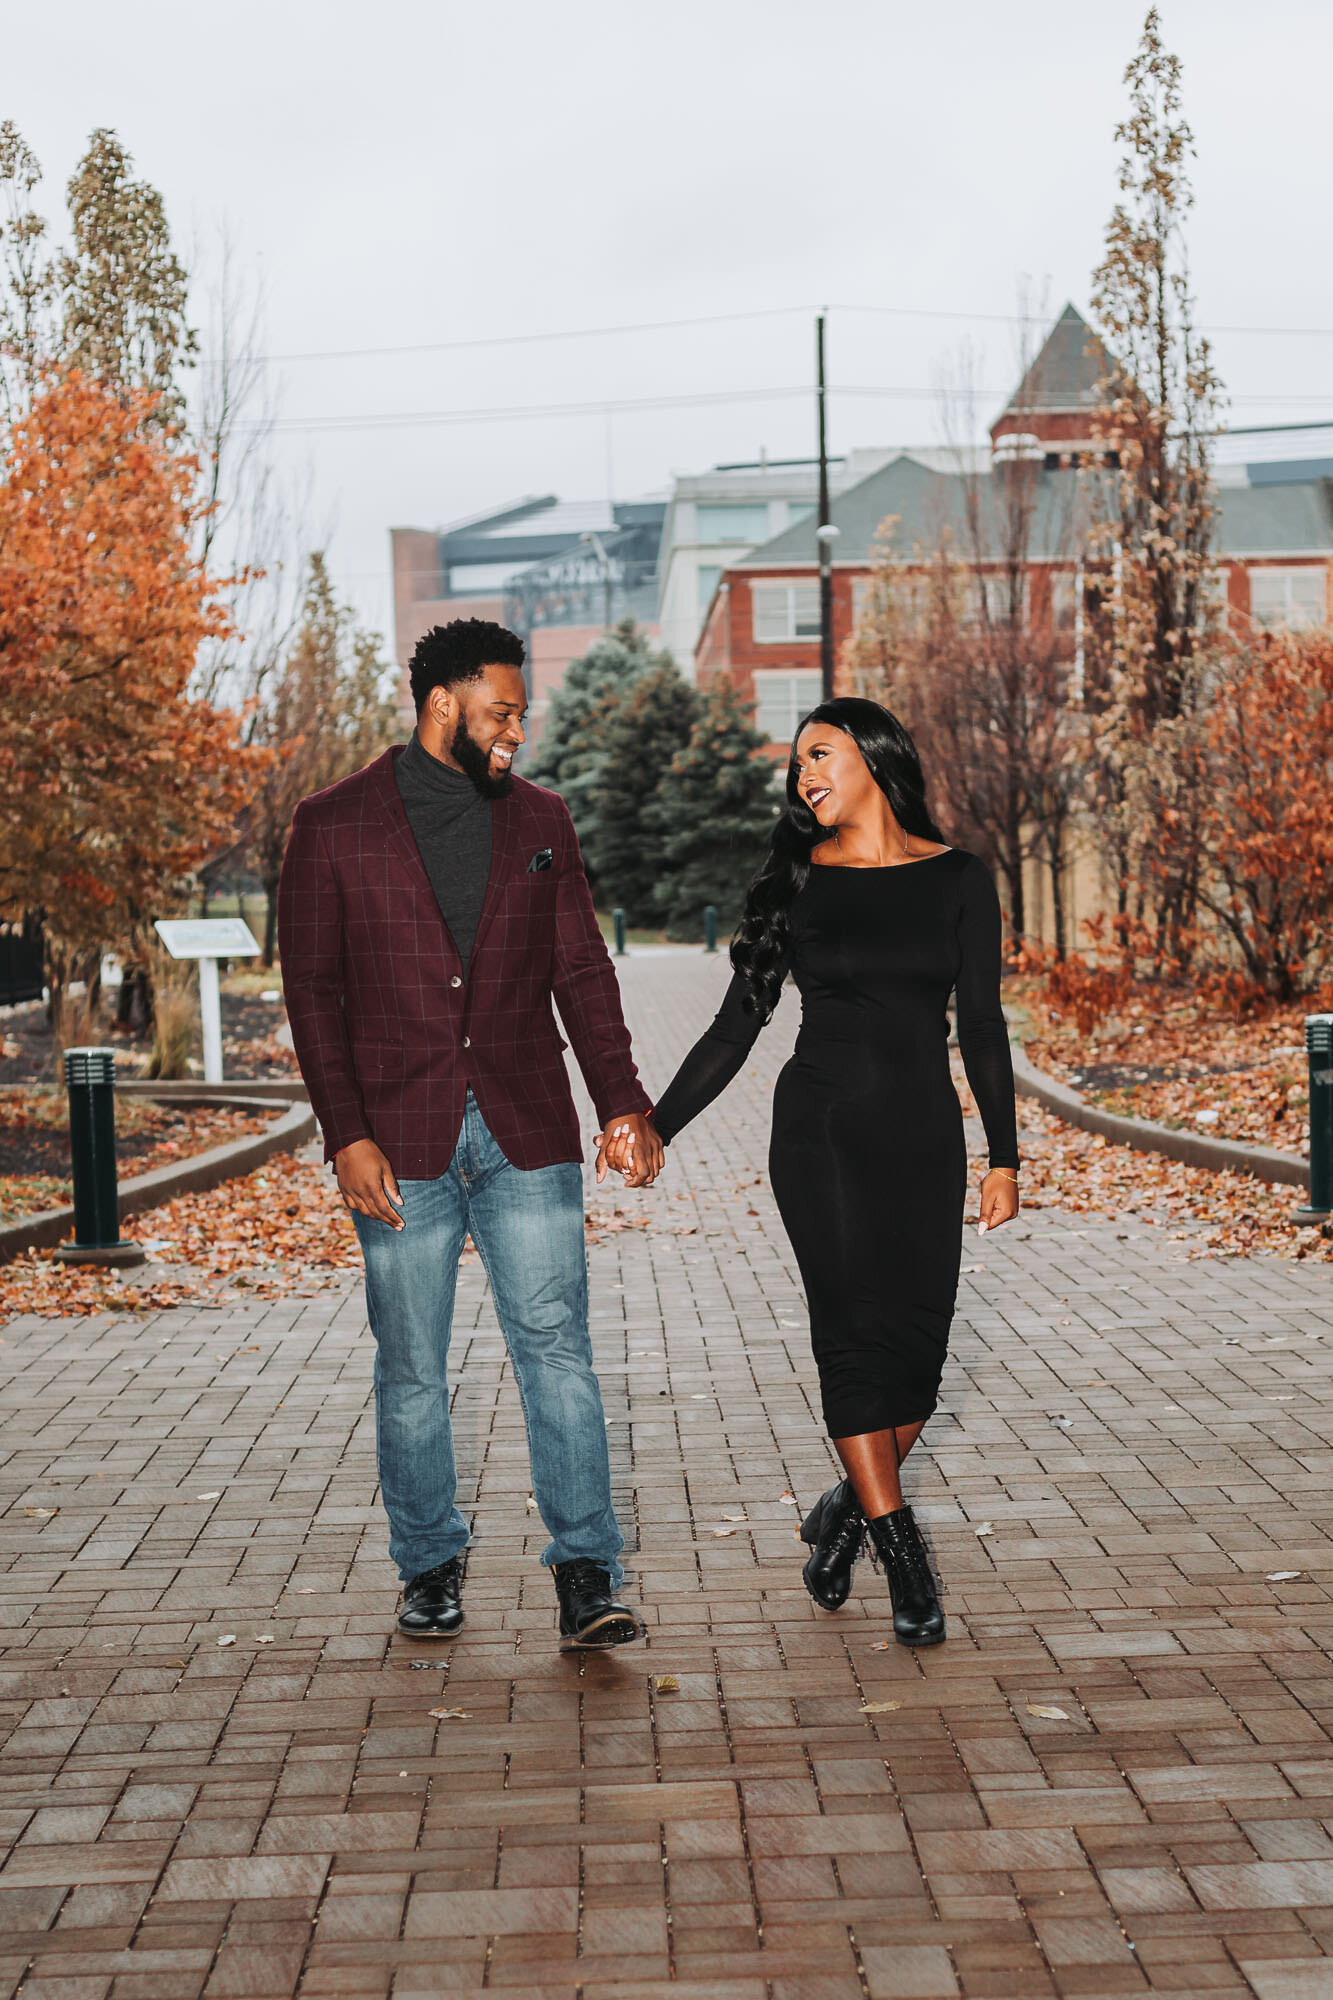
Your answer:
<point x="848" y="1539"/>
<point x="581" y="1573"/>
<point x="447" y="1573"/>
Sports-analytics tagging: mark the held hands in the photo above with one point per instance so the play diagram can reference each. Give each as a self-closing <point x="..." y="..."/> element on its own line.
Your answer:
<point x="999" y="1199"/>
<point x="632" y="1148"/>
<point x="366" y="1182"/>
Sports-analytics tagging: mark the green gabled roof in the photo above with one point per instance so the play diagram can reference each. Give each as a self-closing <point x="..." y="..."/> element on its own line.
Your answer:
<point x="929" y="504"/>
<point x="1296" y="518"/>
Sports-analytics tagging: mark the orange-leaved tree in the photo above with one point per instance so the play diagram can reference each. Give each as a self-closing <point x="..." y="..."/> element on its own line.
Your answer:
<point x="117" y="783"/>
<point x="1265" y="745"/>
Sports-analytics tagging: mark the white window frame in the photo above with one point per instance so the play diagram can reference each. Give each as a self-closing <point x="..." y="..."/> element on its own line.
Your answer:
<point x="1295" y="617"/>
<point x="788" y="603"/>
<point x="1066" y="584"/>
<point x="797" y="689"/>
<point x="758" y="508"/>
<point x="993" y="586"/>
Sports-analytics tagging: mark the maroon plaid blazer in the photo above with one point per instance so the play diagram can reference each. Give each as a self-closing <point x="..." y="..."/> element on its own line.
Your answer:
<point x="388" y="1033"/>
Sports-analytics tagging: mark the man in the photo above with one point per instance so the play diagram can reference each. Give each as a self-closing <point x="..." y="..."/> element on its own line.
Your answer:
<point x="430" y="909"/>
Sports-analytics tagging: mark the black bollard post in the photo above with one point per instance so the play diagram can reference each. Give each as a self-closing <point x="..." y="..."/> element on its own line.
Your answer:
<point x="90" y="1077"/>
<point x="1319" y="1048"/>
<point x="618" y="919"/>
<point x="710" y="927"/>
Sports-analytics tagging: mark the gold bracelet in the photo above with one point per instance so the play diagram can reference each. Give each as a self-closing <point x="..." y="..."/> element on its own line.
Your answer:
<point x="1004" y="1171"/>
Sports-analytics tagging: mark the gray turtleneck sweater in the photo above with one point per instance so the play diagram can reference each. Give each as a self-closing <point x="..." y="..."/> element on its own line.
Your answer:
<point x="451" y="824"/>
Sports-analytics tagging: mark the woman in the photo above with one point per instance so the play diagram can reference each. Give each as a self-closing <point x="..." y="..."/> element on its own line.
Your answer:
<point x="877" y="920"/>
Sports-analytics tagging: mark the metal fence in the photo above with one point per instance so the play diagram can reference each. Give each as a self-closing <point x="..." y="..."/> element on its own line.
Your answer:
<point x="21" y="974"/>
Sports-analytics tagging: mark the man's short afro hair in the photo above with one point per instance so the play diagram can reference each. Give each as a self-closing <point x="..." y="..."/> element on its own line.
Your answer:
<point x="458" y="652"/>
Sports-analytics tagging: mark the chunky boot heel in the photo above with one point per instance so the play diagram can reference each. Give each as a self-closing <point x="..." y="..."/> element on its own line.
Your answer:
<point x="835" y="1529"/>
<point x="917" y="1617"/>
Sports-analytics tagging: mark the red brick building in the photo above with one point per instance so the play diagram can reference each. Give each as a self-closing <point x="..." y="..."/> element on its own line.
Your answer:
<point x="1274" y="536"/>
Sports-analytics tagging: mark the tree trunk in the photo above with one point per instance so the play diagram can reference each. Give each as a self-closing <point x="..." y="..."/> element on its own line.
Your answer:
<point x="270" y="920"/>
<point x="1013" y="875"/>
<point x="1055" y="864"/>
<point x="1013" y="865"/>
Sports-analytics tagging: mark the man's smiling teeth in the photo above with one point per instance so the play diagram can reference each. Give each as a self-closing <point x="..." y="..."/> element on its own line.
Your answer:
<point x="503" y="756"/>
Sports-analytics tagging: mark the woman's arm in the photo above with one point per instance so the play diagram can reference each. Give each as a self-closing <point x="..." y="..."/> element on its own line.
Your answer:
<point x="983" y="1034"/>
<point x="711" y="1064"/>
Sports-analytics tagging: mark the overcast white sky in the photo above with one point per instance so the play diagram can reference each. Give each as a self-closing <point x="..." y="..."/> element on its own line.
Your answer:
<point x="438" y="172"/>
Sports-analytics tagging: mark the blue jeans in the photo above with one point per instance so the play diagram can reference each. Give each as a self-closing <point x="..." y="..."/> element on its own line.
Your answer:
<point x="528" y="1228"/>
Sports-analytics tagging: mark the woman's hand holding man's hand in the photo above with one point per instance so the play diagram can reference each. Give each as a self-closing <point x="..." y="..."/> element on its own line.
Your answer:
<point x="630" y="1147"/>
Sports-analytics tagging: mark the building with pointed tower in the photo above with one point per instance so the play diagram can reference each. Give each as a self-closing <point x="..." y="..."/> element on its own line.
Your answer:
<point x="1273" y="539"/>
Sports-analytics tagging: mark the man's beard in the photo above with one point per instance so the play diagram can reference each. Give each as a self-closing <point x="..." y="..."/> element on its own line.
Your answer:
<point x="476" y="763"/>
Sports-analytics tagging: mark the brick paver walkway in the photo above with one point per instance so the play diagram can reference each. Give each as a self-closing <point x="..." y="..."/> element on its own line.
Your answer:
<point x="221" y="1773"/>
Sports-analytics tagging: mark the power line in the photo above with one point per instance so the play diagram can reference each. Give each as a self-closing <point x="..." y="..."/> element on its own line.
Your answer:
<point x="528" y="339"/>
<point x="711" y="319"/>
<point x="602" y="407"/>
<point x="1261" y="430"/>
<point x="1044" y="319"/>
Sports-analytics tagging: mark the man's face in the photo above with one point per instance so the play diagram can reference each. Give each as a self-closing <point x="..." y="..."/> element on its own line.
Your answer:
<point x="489" y="728"/>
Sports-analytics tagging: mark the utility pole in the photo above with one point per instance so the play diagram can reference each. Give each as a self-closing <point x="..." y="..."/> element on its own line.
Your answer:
<point x="825" y="532"/>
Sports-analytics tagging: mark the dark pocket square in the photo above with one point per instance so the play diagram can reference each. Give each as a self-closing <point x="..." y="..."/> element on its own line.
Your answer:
<point x="541" y="859"/>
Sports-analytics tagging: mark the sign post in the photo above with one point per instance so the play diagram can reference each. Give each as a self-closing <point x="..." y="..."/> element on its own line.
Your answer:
<point x="208" y="939"/>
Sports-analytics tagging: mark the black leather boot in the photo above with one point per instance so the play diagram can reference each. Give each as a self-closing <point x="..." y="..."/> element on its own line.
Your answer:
<point x="589" y="1615"/>
<point x="917" y="1617"/>
<point x="433" y="1602"/>
<point x="835" y="1528"/>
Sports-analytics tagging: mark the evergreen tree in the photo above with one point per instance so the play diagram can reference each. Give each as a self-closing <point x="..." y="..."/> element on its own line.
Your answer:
<point x="569" y="757"/>
<point x="638" y="734"/>
<point x="610" y="665"/>
<point x="711" y="817"/>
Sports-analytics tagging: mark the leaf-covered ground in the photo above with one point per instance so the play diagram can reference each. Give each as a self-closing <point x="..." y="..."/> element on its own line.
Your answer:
<point x="34" y="1142"/>
<point x="281" y="1230"/>
<point x="278" y="1232"/>
<point x="1208" y="1214"/>
<point x="1166" y="1056"/>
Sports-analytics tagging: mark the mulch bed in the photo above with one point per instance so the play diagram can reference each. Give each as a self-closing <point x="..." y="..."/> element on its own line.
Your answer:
<point x="34" y="1142"/>
<point x="1166" y="1057"/>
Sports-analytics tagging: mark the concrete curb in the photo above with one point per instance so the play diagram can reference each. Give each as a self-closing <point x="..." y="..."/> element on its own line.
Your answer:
<point x="205" y="1170"/>
<point x="192" y="1090"/>
<point x="1196" y="1149"/>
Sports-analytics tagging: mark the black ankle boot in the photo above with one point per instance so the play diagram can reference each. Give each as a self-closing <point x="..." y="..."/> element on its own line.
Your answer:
<point x="917" y="1617"/>
<point x="835" y="1528"/>
<point x="590" y="1617"/>
<point x="433" y="1602"/>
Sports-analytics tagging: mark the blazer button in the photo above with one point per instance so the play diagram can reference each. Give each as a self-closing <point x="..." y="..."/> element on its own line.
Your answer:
<point x="455" y="981"/>
<point x="467" y="1041"/>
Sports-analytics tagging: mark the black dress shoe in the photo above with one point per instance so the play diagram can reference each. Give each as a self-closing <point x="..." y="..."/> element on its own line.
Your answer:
<point x="433" y="1602"/>
<point x="835" y="1528"/>
<point x="589" y="1615"/>
<point x="917" y="1617"/>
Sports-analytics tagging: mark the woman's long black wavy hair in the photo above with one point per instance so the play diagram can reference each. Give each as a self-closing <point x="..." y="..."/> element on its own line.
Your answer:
<point x="763" y="937"/>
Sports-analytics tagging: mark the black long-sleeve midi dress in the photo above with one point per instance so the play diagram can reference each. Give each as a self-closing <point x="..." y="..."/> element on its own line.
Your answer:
<point x="867" y="1158"/>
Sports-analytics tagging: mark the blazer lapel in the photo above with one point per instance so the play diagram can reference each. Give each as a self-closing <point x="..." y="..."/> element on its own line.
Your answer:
<point x="401" y="840"/>
<point x="505" y="845"/>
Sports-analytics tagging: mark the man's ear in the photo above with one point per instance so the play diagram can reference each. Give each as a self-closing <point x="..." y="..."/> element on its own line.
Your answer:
<point x="442" y="707"/>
